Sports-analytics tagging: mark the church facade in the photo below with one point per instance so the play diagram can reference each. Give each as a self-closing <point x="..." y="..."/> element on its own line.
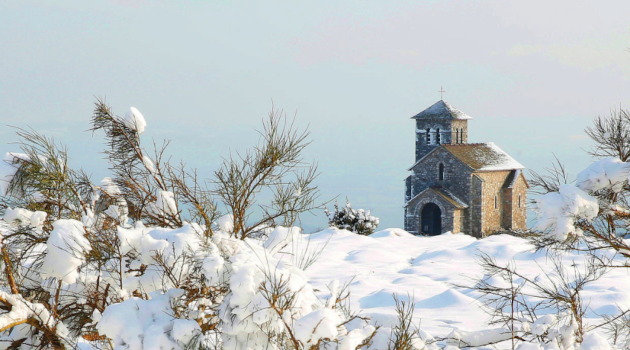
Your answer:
<point x="474" y="188"/>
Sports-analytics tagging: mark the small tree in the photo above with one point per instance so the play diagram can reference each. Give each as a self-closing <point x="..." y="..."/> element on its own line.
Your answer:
<point x="275" y="167"/>
<point x="356" y="220"/>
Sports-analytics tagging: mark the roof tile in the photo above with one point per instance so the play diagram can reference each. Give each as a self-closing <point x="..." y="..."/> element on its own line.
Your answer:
<point x="441" y="110"/>
<point x="483" y="156"/>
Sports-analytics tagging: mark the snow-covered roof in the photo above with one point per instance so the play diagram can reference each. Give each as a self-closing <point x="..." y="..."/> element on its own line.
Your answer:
<point x="483" y="156"/>
<point x="442" y="110"/>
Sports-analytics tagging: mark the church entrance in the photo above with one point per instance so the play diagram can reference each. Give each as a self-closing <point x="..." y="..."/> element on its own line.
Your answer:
<point x="431" y="220"/>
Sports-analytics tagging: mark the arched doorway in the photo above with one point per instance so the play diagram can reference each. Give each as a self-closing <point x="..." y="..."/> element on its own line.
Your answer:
<point x="431" y="220"/>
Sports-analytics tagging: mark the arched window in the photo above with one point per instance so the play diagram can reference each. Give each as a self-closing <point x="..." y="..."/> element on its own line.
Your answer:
<point x="496" y="202"/>
<point x="456" y="135"/>
<point x="428" y="136"/>
<point x="519" y="200"/>
<point x="441" y="172"/>
<point x="437" y="136"/>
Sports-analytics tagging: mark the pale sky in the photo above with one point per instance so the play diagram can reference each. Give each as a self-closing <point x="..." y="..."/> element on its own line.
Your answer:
<point x="532" y="74"/>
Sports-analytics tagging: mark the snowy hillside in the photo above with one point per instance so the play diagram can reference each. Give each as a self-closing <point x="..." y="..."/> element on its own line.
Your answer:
<point x="428" y="268"/>
<point x="146" y="259"/>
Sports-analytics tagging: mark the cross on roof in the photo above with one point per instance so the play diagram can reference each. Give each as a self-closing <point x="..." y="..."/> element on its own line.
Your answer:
<point x="441" y="91"/>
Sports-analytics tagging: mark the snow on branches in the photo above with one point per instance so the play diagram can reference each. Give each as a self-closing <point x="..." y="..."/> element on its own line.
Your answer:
<point x="354" y="220"/>
<point x="65" y="251"/>
<point x="143" y="260"/>
<point x="607" y="173"/>
<point x="134" y="120"/>
<point x="558" y="211"/>
<point x="600" y="191"/>
<point x="176" y="287"/>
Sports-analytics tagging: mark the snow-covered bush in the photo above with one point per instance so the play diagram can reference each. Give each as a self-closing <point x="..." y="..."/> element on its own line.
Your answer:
<point x="143" y="260"/>
<point x="355" y="220"/>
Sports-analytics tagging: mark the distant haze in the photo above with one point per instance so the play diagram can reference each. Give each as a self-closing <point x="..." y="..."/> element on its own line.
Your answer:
<point x="532" y="74"/>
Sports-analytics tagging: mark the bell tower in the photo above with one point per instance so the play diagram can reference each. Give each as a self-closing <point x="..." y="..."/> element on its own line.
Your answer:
<point x="437" y="125"/>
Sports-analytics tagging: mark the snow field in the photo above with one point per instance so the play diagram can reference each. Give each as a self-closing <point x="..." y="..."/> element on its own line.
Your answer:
<point x="427" y="269"/>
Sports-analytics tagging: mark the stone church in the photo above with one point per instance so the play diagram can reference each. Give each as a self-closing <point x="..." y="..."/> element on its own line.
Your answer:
<point x="474" y="188"/>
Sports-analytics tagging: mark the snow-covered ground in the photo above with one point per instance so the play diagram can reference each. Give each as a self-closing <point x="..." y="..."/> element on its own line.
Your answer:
<point x="428" y="269"/>
<point x="432" y="271"/>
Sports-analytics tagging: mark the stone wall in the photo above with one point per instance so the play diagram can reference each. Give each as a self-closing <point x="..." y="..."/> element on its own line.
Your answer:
<point x="478" y="190"/>
<point x="458" y="220"/>
<point x="475" y="213"/>
<point x="456" y="175"/>
<point x="423" y="144"/>
<point x="484" y="216"/>
<point x="508" y="205"/>
<point x="519" y="212"/>
<point x="493" y="202"/>
<point x="515" y="202"/>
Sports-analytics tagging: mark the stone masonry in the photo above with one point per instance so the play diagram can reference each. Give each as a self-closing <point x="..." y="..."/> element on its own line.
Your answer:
<point x="456" y="186"/>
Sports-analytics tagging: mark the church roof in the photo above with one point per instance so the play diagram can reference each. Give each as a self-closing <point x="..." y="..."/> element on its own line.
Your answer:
<point x="512" y="177"/>
<point x="451" y="198"/>
<point x="442" y="193"/>
<point x="483" y="156"/>
<point x="441" y="110"/>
